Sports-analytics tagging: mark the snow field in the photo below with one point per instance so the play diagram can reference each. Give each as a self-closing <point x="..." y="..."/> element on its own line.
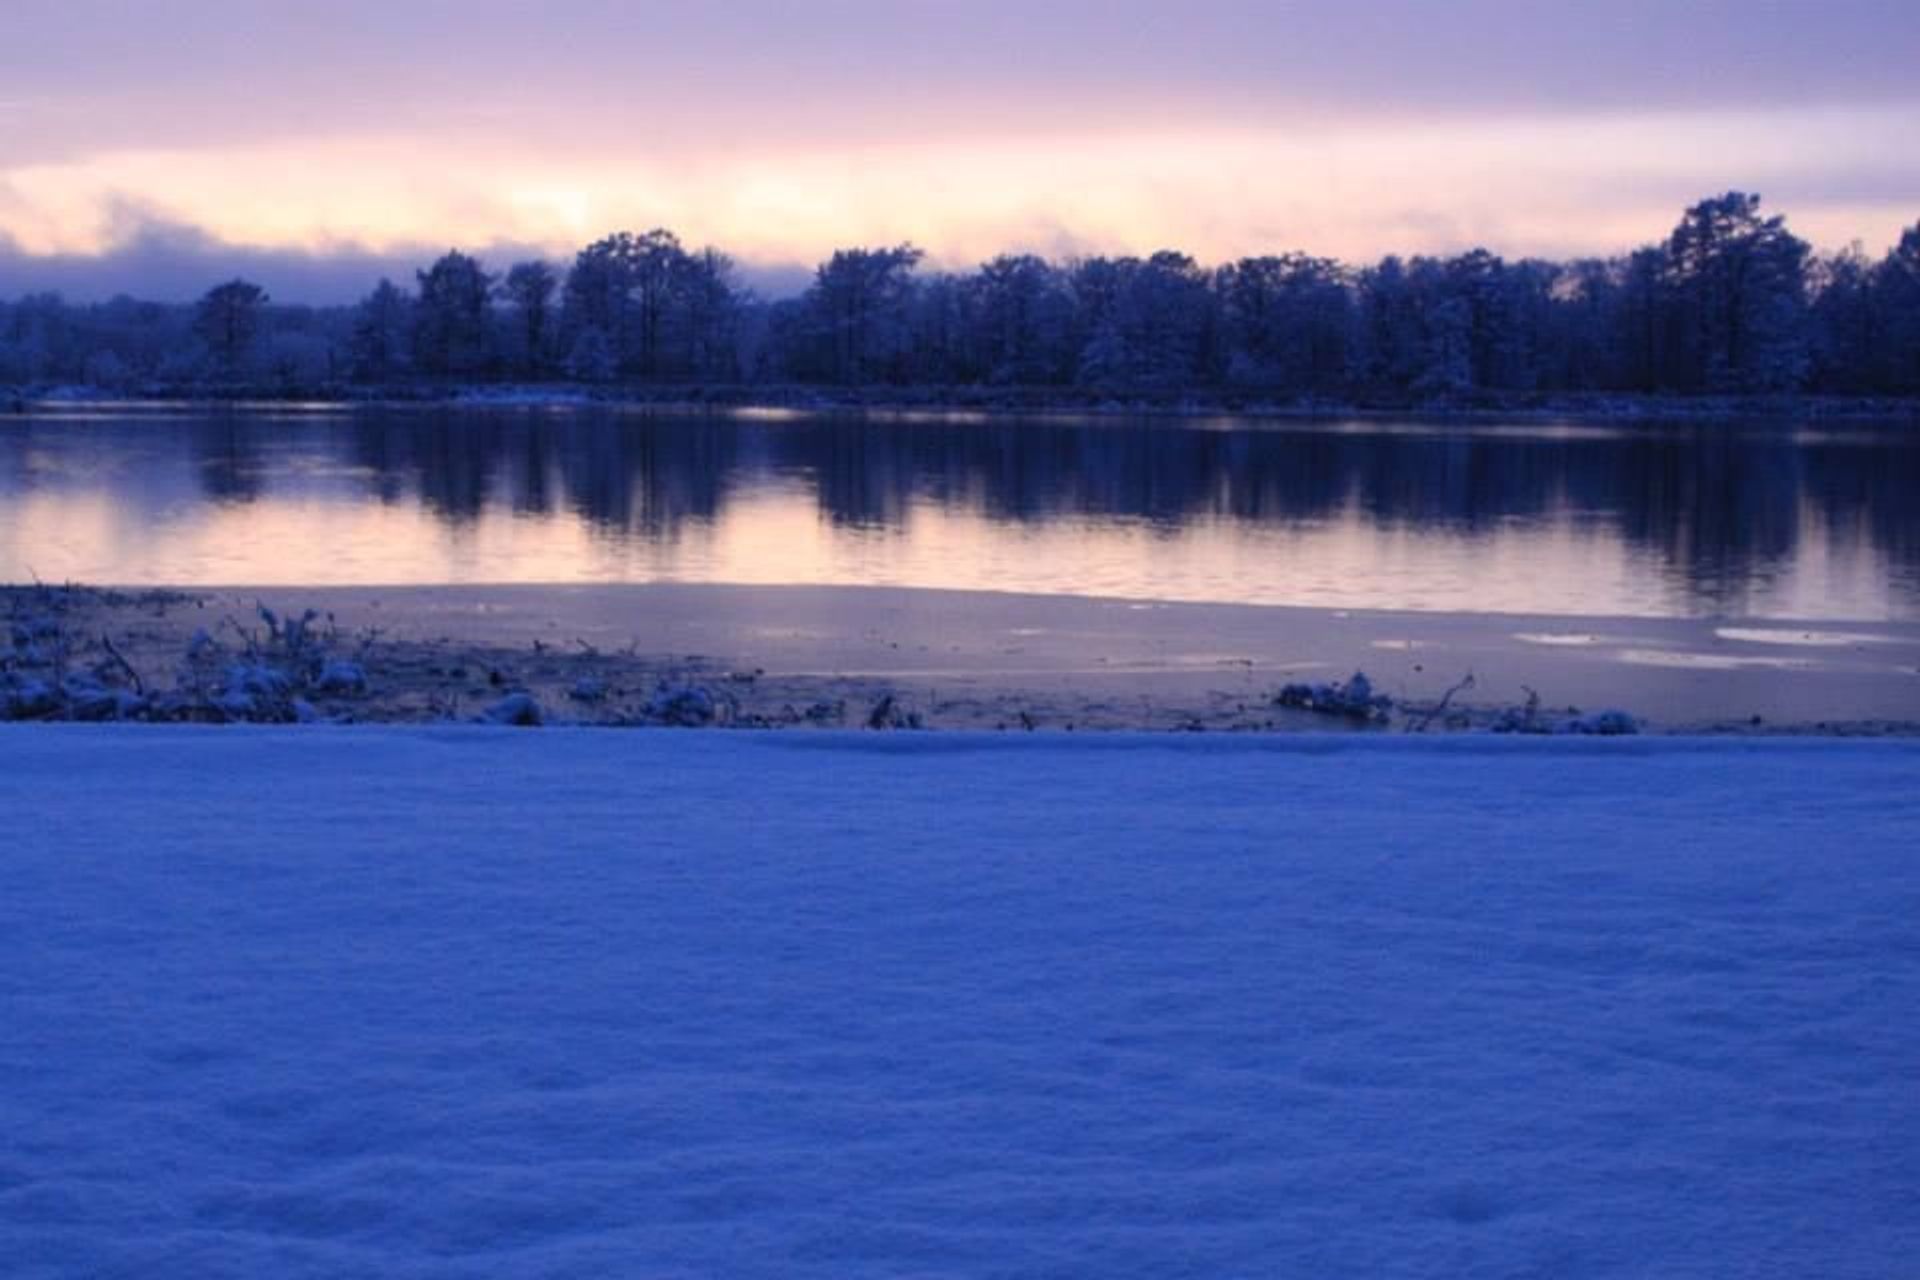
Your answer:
<point x="469" y="1002"/>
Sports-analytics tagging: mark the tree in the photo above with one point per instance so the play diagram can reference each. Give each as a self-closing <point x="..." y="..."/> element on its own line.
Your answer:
<point x="1585" y="353"/>
<point x="40" y="339"/>
<point x="858" y="312"/>
<point x="658" y="271"/>
<point x="106" y="370"/>
<point x="707" y="306"/>
<point x="596" y="294"/>
<point x="591" y="358"/>
<point x="1288" y="322"/>
<point x="1896" y="295"/>
<point x="381" y="344"/>
<point x="1024" y="313"/>
<point x="451" y="320"/>
<point x="1647" y="318"/>
<point x="529" y="288"/>
<point x="1739" y="284"/>
<point x="1447" y="367"/>
<point x="1393" y="344"/>
<point x="941" y="333"/>
<point x="1147" y="323"/>
<point x="1848" y="343"/>
<point x="658" y="306"/>
<point x="228" y="321"/>
<point x="1731" y="302"/>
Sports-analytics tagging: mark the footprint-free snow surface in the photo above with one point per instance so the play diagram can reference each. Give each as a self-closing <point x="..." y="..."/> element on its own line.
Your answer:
<point x="495" y="1004"/>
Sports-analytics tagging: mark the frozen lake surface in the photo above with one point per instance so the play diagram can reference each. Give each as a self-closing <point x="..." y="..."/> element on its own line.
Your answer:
<point x="470" y="1003"/>
<point x="1703" y="520"/>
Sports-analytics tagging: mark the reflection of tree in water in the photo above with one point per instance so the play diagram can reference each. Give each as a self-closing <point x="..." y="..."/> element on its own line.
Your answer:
<point x="645" y="474"/>
<point x="448" y="459"/>
<point x="631" y="474"/>
<point x="865" y="472"/>
<point x="1866" y="491"/>
<point x="227" y="458"/>
<point x="532" y="476"/>
<point x="1720" y="510"/>
<point x="18" y="450"/>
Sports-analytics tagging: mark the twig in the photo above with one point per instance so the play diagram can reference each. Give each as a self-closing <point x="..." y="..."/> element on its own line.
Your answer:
<point x="1439" y="708"/>
<point x="248" y="638"/>
<point x="139" y="686"/>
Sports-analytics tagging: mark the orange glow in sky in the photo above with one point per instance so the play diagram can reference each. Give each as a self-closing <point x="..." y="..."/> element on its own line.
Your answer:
<point x="779" y="132"/>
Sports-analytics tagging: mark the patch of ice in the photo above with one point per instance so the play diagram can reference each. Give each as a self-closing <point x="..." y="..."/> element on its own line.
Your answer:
<point x="1812" y="639"/>
<point x="1710" y="661"/>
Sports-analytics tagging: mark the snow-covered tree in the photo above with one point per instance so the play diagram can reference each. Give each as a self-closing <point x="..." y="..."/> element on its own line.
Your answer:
<point x="1392" y="339"/>
<point x="529" y="288"/>
<point x="452" y="318"/>
<point x="1731" y="302"/>
<point x="1288" y="322"/>
<point x="107" y="371"/>
<point x="228" y="321"/>
<point x="665" y="312"/>
<point x="592" y="358"/>
<point x="1023" y="311"/>
<point x="1155" y="321"/>
<point x="1739" y="286"/>
<point x="857" y="314"/>
<point x="703" y="339"/>
<point x="1896" y="292"/>
<point x="381" y="345"/>
<point x="1849" y="344"/>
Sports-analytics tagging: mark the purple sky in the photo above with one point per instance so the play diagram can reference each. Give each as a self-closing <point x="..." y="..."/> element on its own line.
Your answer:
<point x="149" y="146"/>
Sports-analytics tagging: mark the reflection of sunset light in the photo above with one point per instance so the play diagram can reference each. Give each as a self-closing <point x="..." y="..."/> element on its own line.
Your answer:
<point x="779" y="536"/>
<point x="1285" y="514"/>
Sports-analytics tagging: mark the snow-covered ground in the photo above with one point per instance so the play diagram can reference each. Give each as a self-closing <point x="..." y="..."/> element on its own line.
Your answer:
<point x="484" y="1003"/>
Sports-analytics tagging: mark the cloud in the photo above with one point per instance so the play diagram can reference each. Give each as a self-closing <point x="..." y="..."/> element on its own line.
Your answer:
<point x="660" y="77"/>
<point x="366" y="129"/>
<point x="171" y="262"/>
<point x="324" y="221"/>
<point x="155" y="259"/>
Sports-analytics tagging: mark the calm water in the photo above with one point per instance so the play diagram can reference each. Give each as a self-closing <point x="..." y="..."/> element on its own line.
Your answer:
<point x="1687" y="521"/>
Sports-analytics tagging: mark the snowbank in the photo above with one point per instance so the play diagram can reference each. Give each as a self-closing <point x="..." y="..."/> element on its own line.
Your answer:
<point x="478" y="1003"/>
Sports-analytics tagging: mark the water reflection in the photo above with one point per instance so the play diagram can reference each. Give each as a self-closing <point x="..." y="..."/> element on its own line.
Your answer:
<point x="1703" y="519"/>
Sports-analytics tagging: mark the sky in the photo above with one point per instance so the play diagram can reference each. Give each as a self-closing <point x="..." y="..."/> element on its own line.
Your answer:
<point x="149" y="146"/>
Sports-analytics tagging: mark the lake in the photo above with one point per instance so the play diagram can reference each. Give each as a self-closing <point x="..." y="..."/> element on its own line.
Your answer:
<point x="1695" y="520"/>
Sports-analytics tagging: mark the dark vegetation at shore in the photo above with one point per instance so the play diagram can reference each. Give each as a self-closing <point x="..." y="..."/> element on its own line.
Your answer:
<point x="1732" y="313"/>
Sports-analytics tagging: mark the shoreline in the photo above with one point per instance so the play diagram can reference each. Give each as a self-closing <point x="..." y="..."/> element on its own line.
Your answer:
<point x="993" y="403"/>
<point x="771" y="656"/>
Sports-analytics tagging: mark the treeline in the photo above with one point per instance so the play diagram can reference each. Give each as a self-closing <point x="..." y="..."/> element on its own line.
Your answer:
<point x="1732" y="303"/>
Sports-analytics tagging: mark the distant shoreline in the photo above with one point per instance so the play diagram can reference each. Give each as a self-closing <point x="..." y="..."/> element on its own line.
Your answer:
<point x="995" y="402"/>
